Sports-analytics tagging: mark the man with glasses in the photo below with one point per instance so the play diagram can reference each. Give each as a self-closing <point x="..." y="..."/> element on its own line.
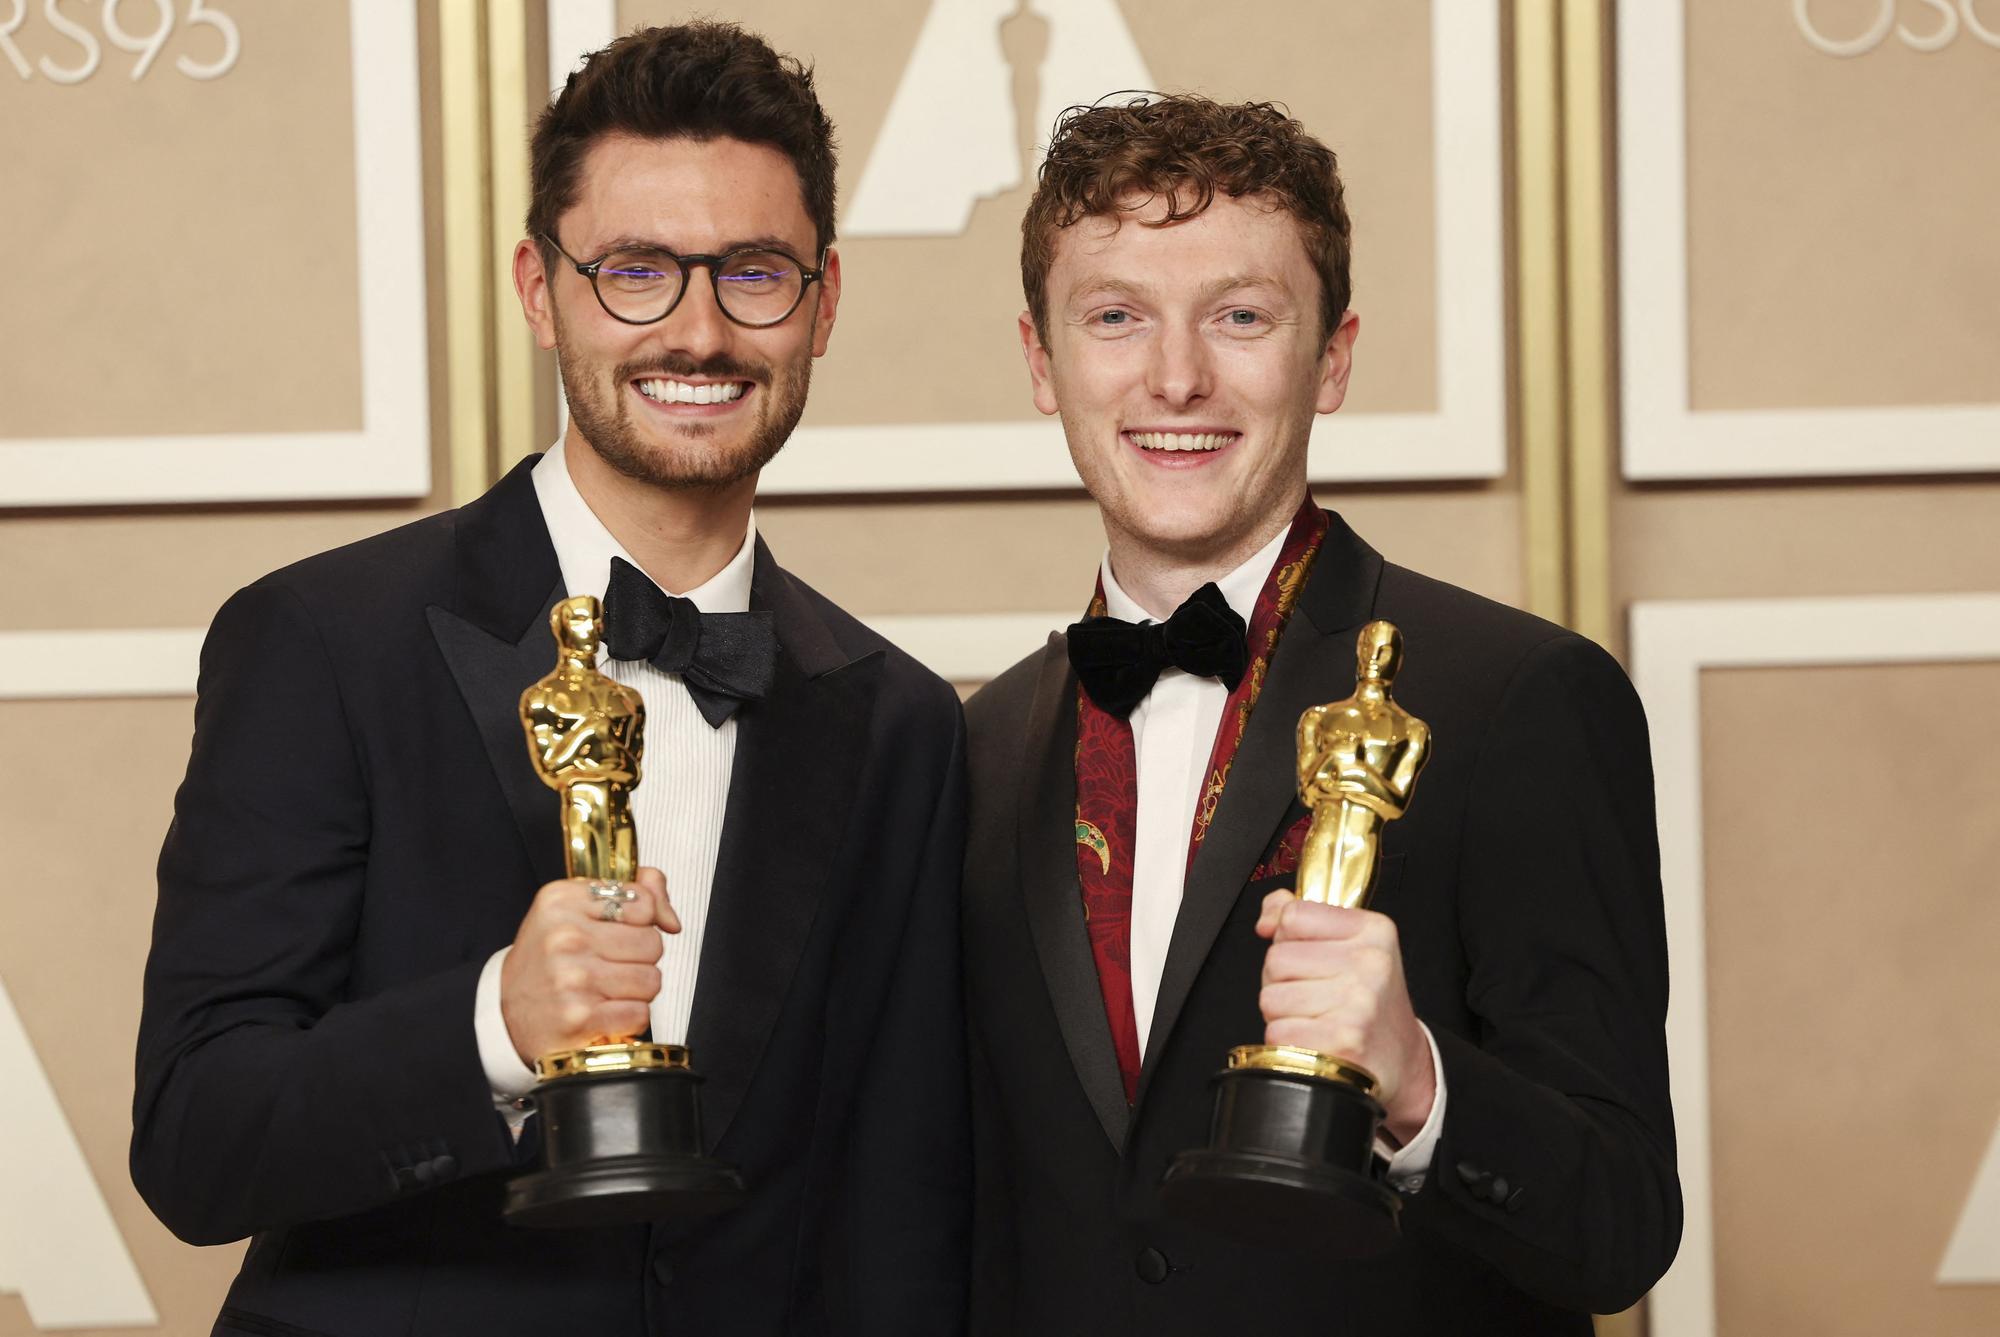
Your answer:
<point x="364" y="937"/>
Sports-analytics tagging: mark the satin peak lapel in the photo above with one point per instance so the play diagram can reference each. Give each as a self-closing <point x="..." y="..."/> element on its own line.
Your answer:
<point x="1046" y="840"/>
<point x="791" y="795"/>
<point x="495" y="639"/>
<point x="491" y="674"/>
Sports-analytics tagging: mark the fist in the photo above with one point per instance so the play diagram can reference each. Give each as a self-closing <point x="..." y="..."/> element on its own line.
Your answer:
<point x="1333" y="981"/>
<point x="575" y="978"/>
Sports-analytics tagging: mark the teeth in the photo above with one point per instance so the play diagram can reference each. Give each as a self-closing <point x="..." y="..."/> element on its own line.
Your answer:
<point x="1182" y="440"/>
<point x="681" y="392"/>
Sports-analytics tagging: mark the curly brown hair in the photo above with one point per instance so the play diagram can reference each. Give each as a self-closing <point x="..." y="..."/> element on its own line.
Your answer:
<point x="1116" y="158"/>
<point x="698" y="81"/>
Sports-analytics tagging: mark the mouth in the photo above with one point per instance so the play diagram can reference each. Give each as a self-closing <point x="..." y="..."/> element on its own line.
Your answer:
<point x="1181" y="448"/>
<point x="681" y="398"/>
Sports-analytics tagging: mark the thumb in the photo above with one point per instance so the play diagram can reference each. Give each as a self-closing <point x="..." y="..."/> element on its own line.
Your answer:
<point x="652" y="884"/>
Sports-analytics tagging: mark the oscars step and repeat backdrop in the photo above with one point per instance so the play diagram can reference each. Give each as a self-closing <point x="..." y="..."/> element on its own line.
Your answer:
<point x="1809" y="328"/>
<point x="222" y="348"/>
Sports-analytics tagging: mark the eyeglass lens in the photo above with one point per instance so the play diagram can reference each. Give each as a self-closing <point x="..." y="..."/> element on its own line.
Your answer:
<point x="754" y="287"/>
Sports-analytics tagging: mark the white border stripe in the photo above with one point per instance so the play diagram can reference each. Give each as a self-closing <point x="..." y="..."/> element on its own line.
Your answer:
<point x="1664" y="437"/>
<point x="81" y="665"/>
<point x="390" y="456"/>
<point x="66" y="665"/>
<point x="1671" y="643"/>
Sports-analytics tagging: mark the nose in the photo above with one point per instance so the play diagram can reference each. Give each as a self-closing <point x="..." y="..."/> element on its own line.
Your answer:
<point x="1179" y="373"/>
<point x="696" y="326"/>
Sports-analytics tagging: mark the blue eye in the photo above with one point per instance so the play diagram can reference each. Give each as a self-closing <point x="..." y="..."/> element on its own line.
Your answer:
<point x="1113" y="318"/>
<point x="1242" y="317"/>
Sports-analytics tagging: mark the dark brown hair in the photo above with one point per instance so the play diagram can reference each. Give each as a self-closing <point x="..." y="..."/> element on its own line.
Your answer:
<point x="696" y="81"/>
<point x="1116" y="158"/>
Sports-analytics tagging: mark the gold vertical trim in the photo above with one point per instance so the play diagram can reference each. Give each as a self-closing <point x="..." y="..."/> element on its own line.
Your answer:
<point x="1587" y="328"/>
<point x="515" y="365"/>
<point x="1538" y="220"/>
<point x="468" y="290"/>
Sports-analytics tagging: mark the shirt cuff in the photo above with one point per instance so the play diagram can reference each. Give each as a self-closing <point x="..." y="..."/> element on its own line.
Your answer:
<point x="510" y="1078"/>
<point x="1411" y="1163"/>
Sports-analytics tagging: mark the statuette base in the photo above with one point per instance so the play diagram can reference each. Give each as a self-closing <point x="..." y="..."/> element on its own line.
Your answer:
<point x="621" y="1147"/>
<point x="1290" y="1163"/>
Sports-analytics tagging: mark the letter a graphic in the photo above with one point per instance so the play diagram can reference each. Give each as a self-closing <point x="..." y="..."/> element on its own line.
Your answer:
<point x="1973" y="1256"/>
<point x="950" y="139"/>
<point x="59" y="1249"/>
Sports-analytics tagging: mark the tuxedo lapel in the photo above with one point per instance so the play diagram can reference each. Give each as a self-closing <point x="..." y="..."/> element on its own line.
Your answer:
<point x="1046" y="840"/>
<point x="495" y="640"/>
<point x="790" y="798"/>
<point x="1314" y="663"/>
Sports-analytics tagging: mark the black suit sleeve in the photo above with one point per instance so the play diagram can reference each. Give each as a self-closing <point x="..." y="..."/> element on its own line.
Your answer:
<point x="265" y="1096"/>
<point x="1556" y="1162"/>
<point x="907" y="1205"/>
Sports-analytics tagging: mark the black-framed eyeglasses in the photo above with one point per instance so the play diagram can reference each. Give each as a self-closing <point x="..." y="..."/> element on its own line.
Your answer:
<point x="757" y="286"/>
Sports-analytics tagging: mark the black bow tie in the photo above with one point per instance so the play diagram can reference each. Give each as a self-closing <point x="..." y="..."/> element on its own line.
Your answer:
<point x="1118" y="661"/>
<point x="724" y="658"/>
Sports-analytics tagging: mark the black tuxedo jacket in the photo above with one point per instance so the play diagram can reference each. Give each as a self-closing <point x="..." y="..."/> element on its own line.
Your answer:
<point x="360" y="829"/>
<point x="1524" y="883"/>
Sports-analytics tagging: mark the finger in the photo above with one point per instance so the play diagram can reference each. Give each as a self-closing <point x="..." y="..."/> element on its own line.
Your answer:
<point x="1364" y="965"/>
<point x="1341" y="1041"/>
<point x="619" y="1020"/>
<point x="1274" y="904"/>
<point x="639" y="943"/>
<point x="639" y="907"/>
<point x="652" y="884"/>
<point x="621" y="982"/>
<point x="1310" y="920"/>
<point x="1298" y="998"/>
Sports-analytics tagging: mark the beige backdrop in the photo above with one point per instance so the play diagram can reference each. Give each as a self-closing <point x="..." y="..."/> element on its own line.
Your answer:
<point x="181" y="253"/>
<point x="1851" y="923"/>
<point x="1840" y="229"/>
<point x="185" y="262"/>
<point x="1839" y="244"/>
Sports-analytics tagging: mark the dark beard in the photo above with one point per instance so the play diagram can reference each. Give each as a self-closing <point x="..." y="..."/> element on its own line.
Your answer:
<point x="609" y="429"/>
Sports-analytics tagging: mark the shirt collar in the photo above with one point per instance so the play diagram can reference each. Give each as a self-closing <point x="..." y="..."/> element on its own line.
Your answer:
<point x="1240" y="587"/>
<point x="584" y="547"/>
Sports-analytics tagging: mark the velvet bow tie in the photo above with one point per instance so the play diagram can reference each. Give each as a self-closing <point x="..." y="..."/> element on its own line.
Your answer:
<point x="724" y="658"/>
<point x="1117" y="661"/>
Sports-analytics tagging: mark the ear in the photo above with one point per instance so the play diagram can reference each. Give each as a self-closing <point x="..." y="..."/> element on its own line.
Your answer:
<point x="1337" y="360"/>
<point x="1041" y="373"/>
<point x="531" y="285"/>
<point x="827" y="303"/>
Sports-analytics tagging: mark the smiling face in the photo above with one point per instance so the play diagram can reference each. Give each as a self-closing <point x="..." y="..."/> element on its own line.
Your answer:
<point x="1187" y="363"/>
<point x="695" y="399"/>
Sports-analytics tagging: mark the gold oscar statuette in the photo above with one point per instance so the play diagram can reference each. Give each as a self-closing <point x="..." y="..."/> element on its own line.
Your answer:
<point x="621" y="1122"/>
<point x="1291" y="1156"/>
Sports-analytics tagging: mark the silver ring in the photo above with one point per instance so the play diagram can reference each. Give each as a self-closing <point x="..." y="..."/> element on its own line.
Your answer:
<point x="611" y="898"/>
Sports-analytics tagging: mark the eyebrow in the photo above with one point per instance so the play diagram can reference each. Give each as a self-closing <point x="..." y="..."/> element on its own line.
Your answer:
<point x="1117" y="287"/>
<point x="633" y="242"/>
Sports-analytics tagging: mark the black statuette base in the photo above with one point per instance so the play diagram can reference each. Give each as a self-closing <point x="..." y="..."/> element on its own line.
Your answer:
<point x="1290" y="1163"/>
<point x="619" y="1149"/>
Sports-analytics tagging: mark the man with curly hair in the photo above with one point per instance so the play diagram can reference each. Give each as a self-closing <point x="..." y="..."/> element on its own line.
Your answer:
<point x="1135" y="823"/>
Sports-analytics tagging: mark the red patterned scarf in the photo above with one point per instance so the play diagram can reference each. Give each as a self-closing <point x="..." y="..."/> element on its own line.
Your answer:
<point x="1107" y="787"/>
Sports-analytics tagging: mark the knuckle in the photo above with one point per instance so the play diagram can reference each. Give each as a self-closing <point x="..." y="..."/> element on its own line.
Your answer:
<point x="574" y="1016"/>
<point x="568" y="940"/>
<point x="1269" y="1005"/>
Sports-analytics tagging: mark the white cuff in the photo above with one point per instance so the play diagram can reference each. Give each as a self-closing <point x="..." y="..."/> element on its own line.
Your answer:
<point x="505" y="1073"/>
<point x="1409" y="1164"/>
